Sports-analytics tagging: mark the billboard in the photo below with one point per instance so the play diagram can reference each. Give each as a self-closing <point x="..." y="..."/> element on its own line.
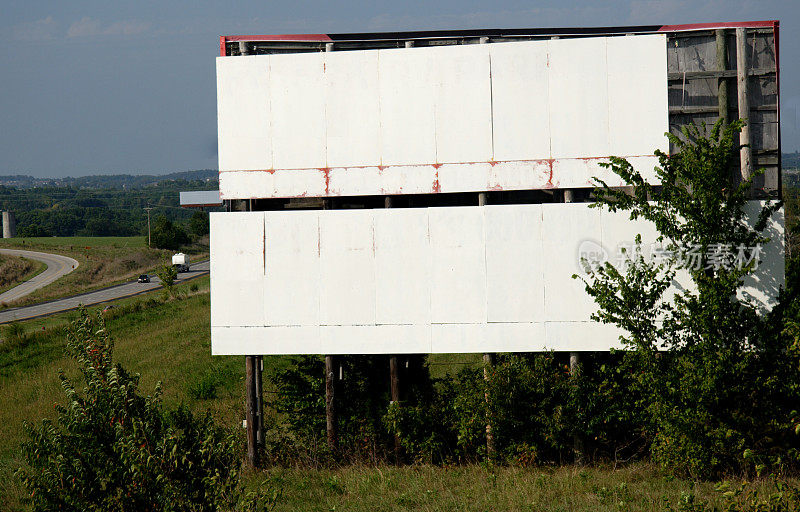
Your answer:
<point x="341" y="121"/>
<point x="426" y="280"/>
<point x="459" y="118"/>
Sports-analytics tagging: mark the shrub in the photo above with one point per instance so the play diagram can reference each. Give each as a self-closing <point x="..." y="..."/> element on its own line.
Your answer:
<point x="198" y="224"/>
<point x="111" y="448"/>
<point x="166" y="235"/>
<point x="167" y="274"/>
<point x="725" y="382"/>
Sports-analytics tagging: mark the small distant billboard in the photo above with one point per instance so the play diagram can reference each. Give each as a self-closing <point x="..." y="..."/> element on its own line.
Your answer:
<point x="200" y="198"/>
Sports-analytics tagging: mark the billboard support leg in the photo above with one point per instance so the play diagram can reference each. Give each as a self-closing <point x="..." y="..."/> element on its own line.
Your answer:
<point x="574" y="361"/>
<point x="259" y="363"/>
<point x="488" y="362"/>
<point x="394" y="378"/>
<point x="574" y="372"/>
<point x="394" y="372"/>
<point x="330" y="404"/>
<point x="722" y="82"/>
<point x="253" y="406"/>
<point x="744" y="101"/>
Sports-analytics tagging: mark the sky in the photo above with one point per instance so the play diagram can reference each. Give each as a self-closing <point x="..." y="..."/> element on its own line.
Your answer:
<point x="103" y="87"/>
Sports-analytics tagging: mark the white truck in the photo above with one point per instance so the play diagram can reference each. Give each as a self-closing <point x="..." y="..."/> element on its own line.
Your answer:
<point x="181" y="262"/>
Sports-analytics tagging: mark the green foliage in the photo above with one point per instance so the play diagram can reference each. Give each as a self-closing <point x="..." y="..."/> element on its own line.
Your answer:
<point x="724" y="382"/>
<point x="536" y="409"/>
<point x="205" y="385"/>
<point x="166" y="235"/>
<point x="167" y="274"/>
<point x="745" y="497"/>
<point x="198" y="224"/>
<point x="300" y="403"/>
<point x="97" y="205"/>
<point x="111" y="448"/>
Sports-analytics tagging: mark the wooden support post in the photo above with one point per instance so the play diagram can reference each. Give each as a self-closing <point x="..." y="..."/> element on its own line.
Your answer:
<point x="394" y="381"/>
<point x="394" y="370"/>
<point x="722" y="83"/>
<point x="488" y="362"/>
<point x="259" y="364"/>
<point x="574" y="363"/>
<point x="574" y="371"/>
<point x="569" y="197"/>
<point x="251" y="410"/>
<point x="744" y="101"/>
<point x="574" y="359"/>
<point x="330" y="404"/>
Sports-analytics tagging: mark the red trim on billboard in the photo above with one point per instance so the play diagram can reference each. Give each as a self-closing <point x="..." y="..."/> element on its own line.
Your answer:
<point x="281" y="37"/>
<point x="733" y="24"/>
<point x="222" y="40"/>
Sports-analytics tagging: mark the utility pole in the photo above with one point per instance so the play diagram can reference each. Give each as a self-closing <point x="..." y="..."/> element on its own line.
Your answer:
<point x="147" y="209"/>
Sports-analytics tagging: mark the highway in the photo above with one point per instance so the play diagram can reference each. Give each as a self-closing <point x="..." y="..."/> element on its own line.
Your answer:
<point x="57" y="266"/>
<point x="96" y="297"/>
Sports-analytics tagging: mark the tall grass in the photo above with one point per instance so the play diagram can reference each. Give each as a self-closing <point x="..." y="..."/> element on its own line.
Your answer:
<point x="169" y="341"/>
<point x="16" y="270"/>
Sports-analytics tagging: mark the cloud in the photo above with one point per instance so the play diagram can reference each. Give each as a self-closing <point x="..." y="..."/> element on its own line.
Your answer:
<point x="90" y="27"/>
<point x="39" y="30"/>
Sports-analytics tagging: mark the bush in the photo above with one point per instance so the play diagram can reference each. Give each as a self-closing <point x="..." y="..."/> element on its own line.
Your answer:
<point x="363" y="396"/>
<point x="166" y="235"/>
<point x="198" y="224"/>
<point x="167" y="274"/>
<point x="725" y="383"/>
<point x="111" y="448"/>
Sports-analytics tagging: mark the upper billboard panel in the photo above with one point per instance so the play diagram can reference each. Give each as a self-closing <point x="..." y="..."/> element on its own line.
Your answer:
<point x="461" y="118"/>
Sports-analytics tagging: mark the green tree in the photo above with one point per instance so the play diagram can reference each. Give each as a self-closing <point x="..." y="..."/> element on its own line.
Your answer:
<point x="198" y="224"/>
<point x="111" y="448"/>
<point x="722" y="385"/>
<point x="166" y="235"/>
<point x="167" y="274"/>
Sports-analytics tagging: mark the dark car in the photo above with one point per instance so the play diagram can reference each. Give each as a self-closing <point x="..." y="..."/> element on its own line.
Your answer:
<point x="144" y="278"/>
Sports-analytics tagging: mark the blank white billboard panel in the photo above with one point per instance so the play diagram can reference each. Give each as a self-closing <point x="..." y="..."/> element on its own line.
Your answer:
<point x="461" y="279"/>
<point x="458" y="118"/>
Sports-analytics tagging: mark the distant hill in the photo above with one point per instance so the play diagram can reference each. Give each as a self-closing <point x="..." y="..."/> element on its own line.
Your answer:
<point x="791" y="160"/>
<point x="110" y="181"/>
<point x="98" y="205"/>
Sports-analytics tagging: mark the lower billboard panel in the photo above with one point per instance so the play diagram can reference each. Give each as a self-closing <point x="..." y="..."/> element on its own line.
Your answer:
<point x="430" y="280"/>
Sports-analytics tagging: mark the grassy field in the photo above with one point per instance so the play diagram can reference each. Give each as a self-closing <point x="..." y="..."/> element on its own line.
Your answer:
<point x="104" y="261"/>
<point x="479" y="488"/>
<point x="170" y="342"/>
<point x="15" y="270"/>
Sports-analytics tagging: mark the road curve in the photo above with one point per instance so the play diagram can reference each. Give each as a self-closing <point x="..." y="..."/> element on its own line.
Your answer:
<point x="119" y="291"/>
<point x="57" y="266"/>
